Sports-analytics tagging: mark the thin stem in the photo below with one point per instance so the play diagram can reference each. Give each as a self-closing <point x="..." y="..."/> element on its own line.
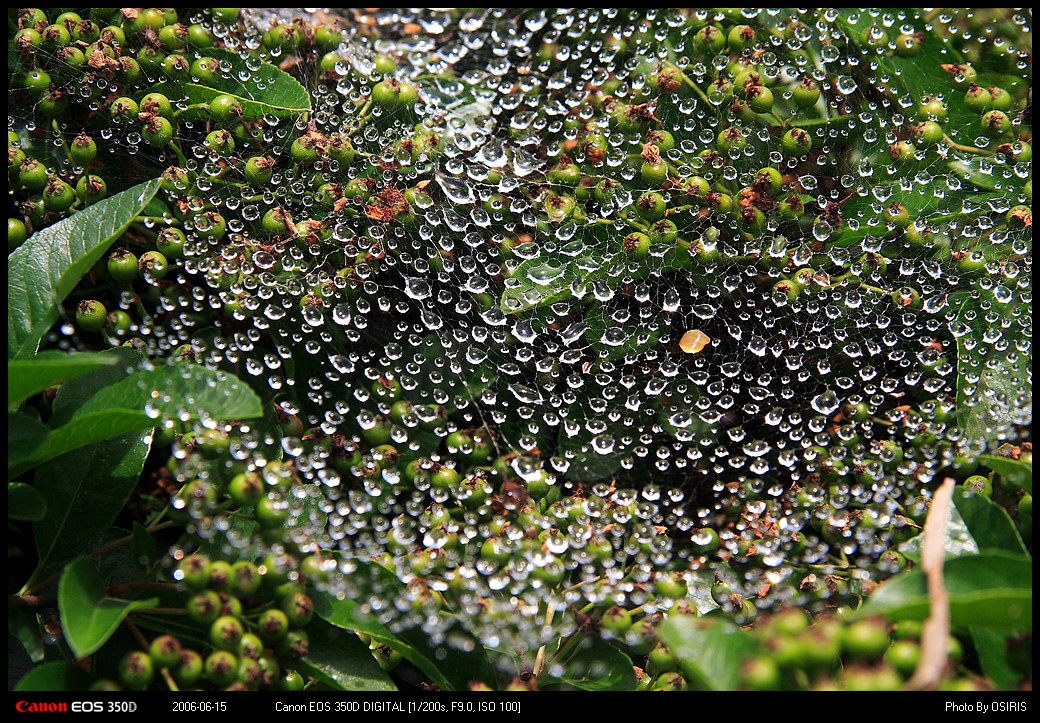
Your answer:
<point x="813" y="122"/>
<point x="967" y="149"/>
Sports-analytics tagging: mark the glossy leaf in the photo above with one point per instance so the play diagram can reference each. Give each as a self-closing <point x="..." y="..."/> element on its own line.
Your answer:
<point x="30" y="376"/>
<point x="988" y="522"/>
<point x="1016" y="471"/>
<point x="597" y="665"/>
<point x="449" y="673"/>
<point x="264" y="91"/>
<point x="137" y="402"/>
<point x="991" y="589"/>
<point x="46" y="268"/>
<point x="88" y="616"/>
<point x="340" y="660"/>
<point x="347" y="614"/>
<point x="710" y="651"/>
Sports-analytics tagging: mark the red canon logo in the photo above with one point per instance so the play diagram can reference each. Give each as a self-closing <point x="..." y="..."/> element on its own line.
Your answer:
<point x="29" y="706"/>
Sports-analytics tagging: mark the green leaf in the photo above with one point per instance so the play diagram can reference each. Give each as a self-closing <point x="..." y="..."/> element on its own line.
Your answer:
<point x="46" y="268"/>
<point x="994" y="378"/>
<point x="25" y="503"/>
<point x="56" y="675"/>
<point x="1017" y="472"/>
<point x="341" y="661"/>
<point x="145" y="548"/>
<point x="710" y="652"/>
<point x="85" y="491"/>
<point x="25" y="435"/>
<point x="88" y="616"/>
<point x="992" y="648"/>
<point x="991" y="589"/>
<point x="264" y="91"/>
<point x="346" y="613"/>
<point x="549" y="278"/>
<point x="182" y="391"/>
<point x="445" y="666"/>
<point x="611" y="340"/>
<point x="46" y="369"/>
<point x="597" y="665"/>
<point x="988" y="522"/>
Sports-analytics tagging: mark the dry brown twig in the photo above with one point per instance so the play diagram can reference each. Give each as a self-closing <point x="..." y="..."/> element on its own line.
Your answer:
<point x="935" y="634"/>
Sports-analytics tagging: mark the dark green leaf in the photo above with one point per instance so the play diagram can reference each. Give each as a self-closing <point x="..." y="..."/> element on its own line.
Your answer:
<point x="137" y="403"/>
<point x="46" y="268"/>
<point x="56" y="675"/>
<point x="597" y="665"/>
<point x="85" y="490"/>
<point x="989" y="523"/>
<point x="1015" y="471"/>
<point x="991" y="589"/>
<point x="567" y="273"/>
<point x="341" y="661"/>
<point x="23" y="624"/>
<point x="145" y="549"/>
<point x="24" y="502"/>
<point x="27" y="377"/>
<point x="88" y="616"/>
<point x="710" y="652"/>
<point x="264" y="91"/>
<point x="25" y="435"/>
<point x="611" y="340"/>
<point x="448" y="668"/>
<point x="992" y="648"/>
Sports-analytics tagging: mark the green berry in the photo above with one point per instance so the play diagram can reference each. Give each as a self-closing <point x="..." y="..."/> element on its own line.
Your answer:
<point x="636" y="244"/>
<point x="91" y="188"/>
<point x="220" y="142"/>
<point x="298" y="609"/>
<point x="225" y="109"/>
<point x="226" y="632"/>
<point x="730" y="139"/>
<point x="796" y="142"/>
<point x="616" y="620"/>
<point x="258" y="170"/>
<point x="157" y="131"/>
<point x="170" y="242"/>
<point x="759" y="98"/>
<point x="904" y="656"/>
<point x="220" y="667"/>
<point x="58" y="196"/>
<point x="123" y="267"/>
<point x="165" y="651"/>
<point x="977" y="99"/>
<point x="16" y="233"/>
<point x="271" y="512"/>
<point x="82" y="150"/>
<point x="865" y="639"/>
<point x="654" y="172"/>
<point x="204" y="607"/>
<point x="91" y="315"/>
<point x="908" y="45"/>
<point x="995" y="123"/>
<point x="135" y="670"/>
<point x="33" y="175"/>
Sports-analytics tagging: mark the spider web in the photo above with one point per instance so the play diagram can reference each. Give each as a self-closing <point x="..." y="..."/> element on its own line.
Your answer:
<point x="499" y="312"/>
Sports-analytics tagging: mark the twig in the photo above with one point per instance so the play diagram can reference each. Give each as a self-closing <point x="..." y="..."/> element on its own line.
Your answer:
<point x="935" y="634"/>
